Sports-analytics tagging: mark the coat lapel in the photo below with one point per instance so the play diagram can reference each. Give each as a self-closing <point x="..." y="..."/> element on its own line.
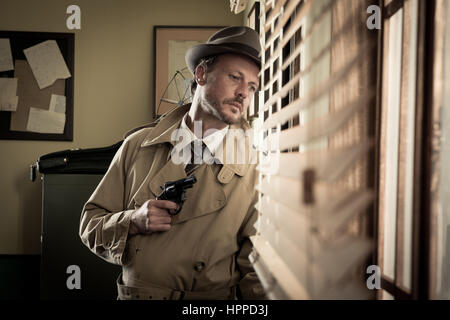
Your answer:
<point x="170" y="172"/>
<point x="236" y="152"/>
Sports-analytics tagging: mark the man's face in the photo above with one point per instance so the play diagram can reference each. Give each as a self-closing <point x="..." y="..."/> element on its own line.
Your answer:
<point x="227" y="89"/>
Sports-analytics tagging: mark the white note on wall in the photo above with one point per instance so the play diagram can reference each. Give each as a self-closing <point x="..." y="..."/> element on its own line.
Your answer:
<point x="6" y="61"/>
<point x="45" y="121"/>
<point x="8" y="97"/>
<point x="47" y="63"/>
<point x="57" y="103"/>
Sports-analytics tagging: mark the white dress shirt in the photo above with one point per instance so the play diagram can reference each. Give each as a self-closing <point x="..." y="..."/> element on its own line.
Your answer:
<point x="184" y="136"/>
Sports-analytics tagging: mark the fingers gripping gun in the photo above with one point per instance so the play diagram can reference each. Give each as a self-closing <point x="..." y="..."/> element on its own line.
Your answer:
<point x="176" y="191"/>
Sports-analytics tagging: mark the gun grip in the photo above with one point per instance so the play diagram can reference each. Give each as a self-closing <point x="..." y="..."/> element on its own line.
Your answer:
<point x="180" y="205"/>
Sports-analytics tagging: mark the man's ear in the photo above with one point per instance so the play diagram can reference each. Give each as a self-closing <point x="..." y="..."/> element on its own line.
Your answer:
<point x="200" y="74"/>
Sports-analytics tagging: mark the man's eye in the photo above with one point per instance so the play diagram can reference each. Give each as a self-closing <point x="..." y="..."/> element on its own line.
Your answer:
<point x="234" y="77"/>
<point x="252" y="88"/>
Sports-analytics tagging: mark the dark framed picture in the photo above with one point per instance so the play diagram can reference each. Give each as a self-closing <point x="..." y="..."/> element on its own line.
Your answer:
<point x="44" y="105"/>
<point x="171" y="76"/>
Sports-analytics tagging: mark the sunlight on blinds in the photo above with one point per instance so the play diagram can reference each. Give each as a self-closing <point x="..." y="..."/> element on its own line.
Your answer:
<point x="318" y="81"/>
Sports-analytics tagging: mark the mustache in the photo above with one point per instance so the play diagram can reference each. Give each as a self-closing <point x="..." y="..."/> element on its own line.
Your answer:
<point x="237" y="100"/>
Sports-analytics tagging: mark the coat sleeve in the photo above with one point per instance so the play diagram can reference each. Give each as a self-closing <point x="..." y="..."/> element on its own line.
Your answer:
<point x="104" y="222"/>
<point x="249" y="285"/>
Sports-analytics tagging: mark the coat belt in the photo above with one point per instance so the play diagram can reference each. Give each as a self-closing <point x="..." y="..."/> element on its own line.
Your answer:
<point x="150" y="292"/>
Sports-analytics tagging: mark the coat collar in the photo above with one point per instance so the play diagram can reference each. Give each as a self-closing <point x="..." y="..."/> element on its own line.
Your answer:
<point x="162" y="133"/>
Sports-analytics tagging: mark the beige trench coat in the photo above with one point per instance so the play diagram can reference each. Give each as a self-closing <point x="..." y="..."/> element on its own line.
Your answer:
<point x="205" y="253"/>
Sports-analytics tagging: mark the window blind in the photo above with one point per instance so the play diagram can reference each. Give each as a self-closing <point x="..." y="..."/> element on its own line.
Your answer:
<point x="318" y="81"/>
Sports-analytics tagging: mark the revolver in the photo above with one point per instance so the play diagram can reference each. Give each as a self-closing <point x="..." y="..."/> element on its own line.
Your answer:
<point x="176" y="191"/>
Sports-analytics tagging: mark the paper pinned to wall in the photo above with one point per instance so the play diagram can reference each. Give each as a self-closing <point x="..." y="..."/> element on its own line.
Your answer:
<point x="31" y="95"/>
<point x="47" y="63"/>
<point x="57" y="103"/>
<point x="6" y="60"/>
<point x="45" y="121"/>
<point x="10" y="104"/>
<point x="8" y="97"/>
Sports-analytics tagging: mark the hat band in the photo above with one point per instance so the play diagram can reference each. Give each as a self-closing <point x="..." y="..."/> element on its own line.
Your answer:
<point x="240" y="47"/>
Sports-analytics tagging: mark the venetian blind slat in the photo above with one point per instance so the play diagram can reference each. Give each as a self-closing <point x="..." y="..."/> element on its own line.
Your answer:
<point x="329" y="165"/>
<point x="323" y="126"/>
<point x="293" y="288"/>
<point x="324" y="87"/>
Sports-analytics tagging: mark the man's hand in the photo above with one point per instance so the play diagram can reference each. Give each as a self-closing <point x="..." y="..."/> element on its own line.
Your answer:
<point x="152" y="216"/>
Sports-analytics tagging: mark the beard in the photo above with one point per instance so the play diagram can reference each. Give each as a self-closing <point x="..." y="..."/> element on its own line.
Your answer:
<point x="212" y="106"/>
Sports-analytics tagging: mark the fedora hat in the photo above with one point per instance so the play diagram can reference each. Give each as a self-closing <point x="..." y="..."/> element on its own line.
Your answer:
<point x="238" y="40"/>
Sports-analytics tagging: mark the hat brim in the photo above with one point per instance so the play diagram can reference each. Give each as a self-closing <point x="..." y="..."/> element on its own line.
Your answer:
<point x="195" y="53"/>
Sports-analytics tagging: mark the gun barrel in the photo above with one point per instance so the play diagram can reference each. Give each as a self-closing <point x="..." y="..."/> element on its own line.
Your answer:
<point x="190" y="180"/>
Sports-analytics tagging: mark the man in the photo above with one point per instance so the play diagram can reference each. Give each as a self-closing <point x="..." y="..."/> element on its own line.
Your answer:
<point x="201" y="252"/>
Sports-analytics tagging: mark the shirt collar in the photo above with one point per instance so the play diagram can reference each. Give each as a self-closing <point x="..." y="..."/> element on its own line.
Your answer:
<point x="162" y="133"/>
<point x="213" y="141"/>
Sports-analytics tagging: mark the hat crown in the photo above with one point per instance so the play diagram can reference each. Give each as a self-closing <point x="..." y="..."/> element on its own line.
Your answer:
<point x="235" y="40"/>
<point x="243" y="35"/>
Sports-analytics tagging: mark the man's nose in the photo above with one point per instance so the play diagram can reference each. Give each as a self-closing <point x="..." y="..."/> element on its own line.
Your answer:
<point x="242" y="91"/>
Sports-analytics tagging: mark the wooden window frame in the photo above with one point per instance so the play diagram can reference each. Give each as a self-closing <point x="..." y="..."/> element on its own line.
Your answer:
<point x="421" y="235"/>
